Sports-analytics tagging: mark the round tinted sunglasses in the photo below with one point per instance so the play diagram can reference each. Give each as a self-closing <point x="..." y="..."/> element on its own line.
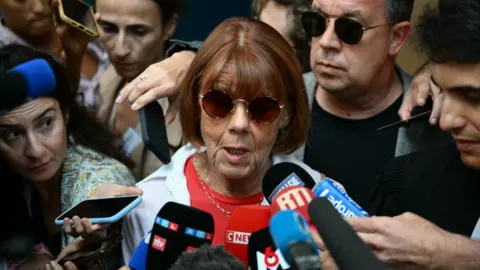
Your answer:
<point x="219" y="104"/>
<point x="348" y="30"/>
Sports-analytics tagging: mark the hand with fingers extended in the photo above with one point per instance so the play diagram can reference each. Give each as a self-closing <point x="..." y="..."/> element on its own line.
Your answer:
<point x="53" y="265"/>
<point x="421" y="88"/>
<point x="158" y="81"/>
<point x="74" y="42"/>
<point x="74" y="45"/>
<point x="82" y="227"/>
<point x="405" y="241"/>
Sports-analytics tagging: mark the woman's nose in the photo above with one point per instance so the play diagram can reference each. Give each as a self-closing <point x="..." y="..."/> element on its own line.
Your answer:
<point x="239" y="121"/>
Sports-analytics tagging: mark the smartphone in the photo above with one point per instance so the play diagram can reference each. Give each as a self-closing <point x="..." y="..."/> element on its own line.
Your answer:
<point x="79" y="14"/>
<point x="154" y="131"/>
<point x="102" y="210"/>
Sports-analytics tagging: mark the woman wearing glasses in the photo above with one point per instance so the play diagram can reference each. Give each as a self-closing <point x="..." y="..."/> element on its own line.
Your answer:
<point x="244" y="108"/>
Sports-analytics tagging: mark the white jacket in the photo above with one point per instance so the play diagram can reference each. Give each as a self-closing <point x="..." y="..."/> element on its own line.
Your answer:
<point x="169" y="184"/>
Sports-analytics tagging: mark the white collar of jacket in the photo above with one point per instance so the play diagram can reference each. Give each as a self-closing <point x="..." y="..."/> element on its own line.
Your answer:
<point x="175" y="180"/>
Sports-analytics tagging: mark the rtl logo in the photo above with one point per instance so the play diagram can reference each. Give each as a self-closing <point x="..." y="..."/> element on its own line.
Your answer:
<point x="238" y="237"/>
<point x="293" y="199"/>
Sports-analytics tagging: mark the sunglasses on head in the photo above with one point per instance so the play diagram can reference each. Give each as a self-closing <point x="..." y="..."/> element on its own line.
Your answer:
<point x="219" y="104"/>
<point x="348" y="30"/>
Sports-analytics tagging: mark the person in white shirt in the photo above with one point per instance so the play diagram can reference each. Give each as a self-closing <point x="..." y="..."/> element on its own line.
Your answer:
<point x="243" y="109"/>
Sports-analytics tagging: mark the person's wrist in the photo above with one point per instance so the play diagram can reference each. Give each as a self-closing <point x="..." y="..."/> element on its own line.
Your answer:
<point x="441" y="251"/>
<point x="184" y="56"/>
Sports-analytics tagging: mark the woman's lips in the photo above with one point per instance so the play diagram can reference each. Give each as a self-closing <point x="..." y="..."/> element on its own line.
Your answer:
<point x="234" y="154"/>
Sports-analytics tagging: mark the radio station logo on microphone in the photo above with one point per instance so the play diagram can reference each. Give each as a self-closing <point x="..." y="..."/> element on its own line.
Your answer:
<point x="340" y="200"/>
<point x="167" y="224"/>
<point x="271" y="260"/>
<point x="294" y="199"/>
<point x="291" y="181"/>
<point x="198" y="233"/>
<point x="237" y="237"/>
<point x="159" y="243"/>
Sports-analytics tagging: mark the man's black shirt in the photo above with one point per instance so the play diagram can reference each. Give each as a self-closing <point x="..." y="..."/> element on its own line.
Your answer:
<point x="351" y="151"/>
<point x="435" y="185"/>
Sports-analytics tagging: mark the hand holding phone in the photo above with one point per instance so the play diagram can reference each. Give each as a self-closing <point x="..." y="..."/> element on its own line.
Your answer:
<point x="100" y="210"/>
<point x="83" y="227"/>
<point x="76" y="26"/>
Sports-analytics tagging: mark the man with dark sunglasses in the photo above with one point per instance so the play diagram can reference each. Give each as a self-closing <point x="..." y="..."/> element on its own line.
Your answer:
<point x="440" y="187"/>
<point x="356" y="88"/>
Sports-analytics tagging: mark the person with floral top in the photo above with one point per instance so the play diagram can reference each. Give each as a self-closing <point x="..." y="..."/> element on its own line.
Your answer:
<point x="58" y="154"/>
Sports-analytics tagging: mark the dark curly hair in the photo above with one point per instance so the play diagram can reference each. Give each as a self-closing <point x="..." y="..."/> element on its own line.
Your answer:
<point x="451" y="32"/>
<point x="208" y="258"/>
<point x="82" y="125"/>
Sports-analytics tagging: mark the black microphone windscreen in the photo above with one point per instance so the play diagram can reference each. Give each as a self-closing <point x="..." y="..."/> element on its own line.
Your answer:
<point x="208" y="258"/>
<point x="17" y="245"/>
<point x="345" y="246"/>
<point x="177" y="228"/>
<point x="283" y="175"/>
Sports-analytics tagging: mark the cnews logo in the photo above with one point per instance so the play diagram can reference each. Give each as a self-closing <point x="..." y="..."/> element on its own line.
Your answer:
<point x="238" y="237"/>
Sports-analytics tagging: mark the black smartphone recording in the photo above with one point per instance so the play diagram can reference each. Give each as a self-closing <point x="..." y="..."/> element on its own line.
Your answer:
<point x="154" y="131"/>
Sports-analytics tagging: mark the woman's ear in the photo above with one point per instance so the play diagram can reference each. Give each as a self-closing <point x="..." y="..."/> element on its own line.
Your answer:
<point x="285" y="120"/>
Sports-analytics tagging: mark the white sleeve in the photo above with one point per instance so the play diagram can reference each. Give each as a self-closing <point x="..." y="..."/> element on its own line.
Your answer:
<point x="141" y="219"/>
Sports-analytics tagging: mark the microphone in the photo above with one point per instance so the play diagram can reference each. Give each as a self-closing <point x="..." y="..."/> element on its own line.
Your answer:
<point x="293" y="198"/>
<point x="263" y="253"/>
<point x="291" y="234"/>
<point x="138" y="261"/>
<point x="208" y="258"/>
<point x="347" y="249"/>
<point x="283" y="175"/>
<point x="339" y="198"/>
<point x="31" y="79"/>
<point x="244" y="221"/>
<point x="177" y="228"/>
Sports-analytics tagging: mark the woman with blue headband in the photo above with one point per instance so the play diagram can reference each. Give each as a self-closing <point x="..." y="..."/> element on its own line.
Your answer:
<point x="53" y="150"/>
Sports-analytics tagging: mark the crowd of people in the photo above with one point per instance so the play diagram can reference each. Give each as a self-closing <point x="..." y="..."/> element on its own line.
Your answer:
<point x="308" y="82"/>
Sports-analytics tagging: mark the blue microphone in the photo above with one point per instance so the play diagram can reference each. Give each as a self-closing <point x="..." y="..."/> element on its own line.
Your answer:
<point x="138" y="261"/>
<point x="292" y="235"/>
<point x="26" y="81"/>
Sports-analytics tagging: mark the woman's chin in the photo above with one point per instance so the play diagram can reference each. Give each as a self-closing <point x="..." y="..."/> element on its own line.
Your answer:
<point x="234" y="172"/>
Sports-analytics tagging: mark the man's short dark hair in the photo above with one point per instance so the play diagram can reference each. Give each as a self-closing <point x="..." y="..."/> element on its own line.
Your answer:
<point x="170" y="7"/>
<point x="398" y="10"/>
<point x="451" y="33"/>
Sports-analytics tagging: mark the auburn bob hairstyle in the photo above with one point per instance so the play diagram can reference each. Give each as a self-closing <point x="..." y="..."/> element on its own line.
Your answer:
<point x="262" y="63"/>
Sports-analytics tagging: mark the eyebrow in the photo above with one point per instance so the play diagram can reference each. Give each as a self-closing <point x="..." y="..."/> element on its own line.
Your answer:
<point x="38" y="117"/>
<point x="464" y="88"/>
<point x="102" y="21"/>
<point x="351" y="14"/>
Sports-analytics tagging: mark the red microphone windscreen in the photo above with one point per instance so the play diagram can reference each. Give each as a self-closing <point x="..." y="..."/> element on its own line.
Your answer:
<point x="244" y="221"/>
<point x="293" y="198"/>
